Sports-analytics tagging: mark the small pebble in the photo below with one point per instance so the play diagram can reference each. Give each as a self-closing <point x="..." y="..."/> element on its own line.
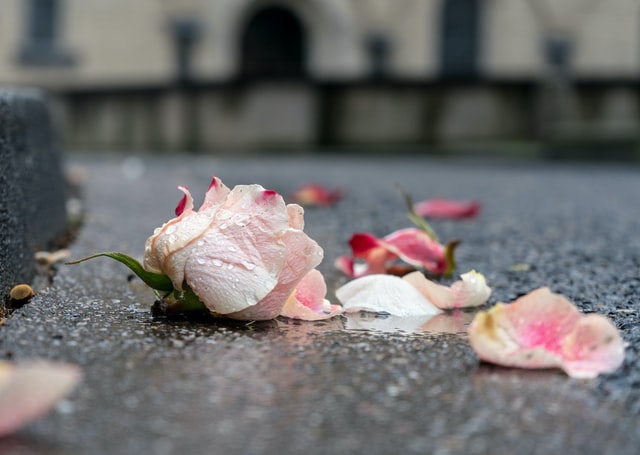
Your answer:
<point x="20" y="294"/>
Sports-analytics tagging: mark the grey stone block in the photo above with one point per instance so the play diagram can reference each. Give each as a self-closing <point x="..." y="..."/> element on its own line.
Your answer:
<point x="32" y="189"/>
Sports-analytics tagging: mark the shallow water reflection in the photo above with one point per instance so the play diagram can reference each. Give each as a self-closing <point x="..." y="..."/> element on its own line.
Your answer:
<point x="449" y="322"/>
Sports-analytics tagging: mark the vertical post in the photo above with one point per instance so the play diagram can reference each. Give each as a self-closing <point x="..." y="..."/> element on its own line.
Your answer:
<point x="378" y="48"/>
<point x="185" y="32"/>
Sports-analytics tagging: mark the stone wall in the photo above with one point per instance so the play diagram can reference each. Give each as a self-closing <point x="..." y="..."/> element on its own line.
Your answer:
<point x="32" y="190"/>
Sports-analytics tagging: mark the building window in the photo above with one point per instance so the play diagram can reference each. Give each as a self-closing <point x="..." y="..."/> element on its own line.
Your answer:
<point x="460" y="39"/>
<point x="41" y="40"/>
<point x="273" y="45"/>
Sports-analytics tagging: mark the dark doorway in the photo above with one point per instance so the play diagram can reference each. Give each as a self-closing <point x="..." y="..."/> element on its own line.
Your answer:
<point x="460" y="38"/>
<point x="274" y="45"/>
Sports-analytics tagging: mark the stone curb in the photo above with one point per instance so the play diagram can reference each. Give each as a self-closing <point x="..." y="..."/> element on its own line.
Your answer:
<point x="32" y="189"/>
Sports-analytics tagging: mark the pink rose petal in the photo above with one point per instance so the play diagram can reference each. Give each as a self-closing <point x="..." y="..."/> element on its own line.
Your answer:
<point x="302" y="254"/>
<point x="447" y="208"/>
<point x="470" y="291"/>
<point x="307" y="302"/>
<point x="413" y="246"/>
<point x="316" y="194"/>
<point x="416" y="247"/>
<point x="545" y="330"/>
<point x="29" y="390"/>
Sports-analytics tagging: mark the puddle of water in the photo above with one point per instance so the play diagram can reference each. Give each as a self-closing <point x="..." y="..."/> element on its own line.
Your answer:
<point x="449" y="322"/>
<point x="455" y="322"/>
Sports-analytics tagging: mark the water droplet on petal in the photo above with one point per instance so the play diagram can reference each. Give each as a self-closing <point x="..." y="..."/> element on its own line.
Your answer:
<point x="200" y="260"/>
<point x="200" y="243"/>
<point x="171" y="229"/>
<point x="232" y="248"/>
<point x="249" y="265"/>
<point x="230" y="266"/>
<point x="217" y="263"/>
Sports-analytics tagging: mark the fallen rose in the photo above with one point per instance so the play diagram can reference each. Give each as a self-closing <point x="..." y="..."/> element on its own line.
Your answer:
<point x="241" y="254"/>
<point x="29" y="390"/>
<point x="447" y="209"/>
<point x="311" y="194"/>
<point x="372" y="255"/>
<point x="545" y="330"/>
<point x="412" y="295"/>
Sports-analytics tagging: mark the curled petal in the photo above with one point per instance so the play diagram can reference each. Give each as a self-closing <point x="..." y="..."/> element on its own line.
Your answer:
<point x="302" y="254"/>
<point x="384" y="294"/>
<point x="180" y="231"/>
<point x="471" y="291"/>
<point x="346" y="265"/>
<point x="413" y="246"/>
<point x="593" y="346"/>
<point x="447" y="208"/>
<point x="545" y="330"/>
<point x="308" y="301"/>
<point x="29" y="390"/>
<point x="416" y="247"/>
<point x="372" y="252"/>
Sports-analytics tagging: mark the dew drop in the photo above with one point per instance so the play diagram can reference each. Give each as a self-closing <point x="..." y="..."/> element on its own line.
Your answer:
<point x="200" y="243"/>
<point x="200" y="260"/>
<point x="230" y="266"/>
<point x="232" y="248"/>
<point x="223" y="226"/>
<point x="217" y="263"/>
<point x="171" y="229"/>
<point x="249" y="265"/>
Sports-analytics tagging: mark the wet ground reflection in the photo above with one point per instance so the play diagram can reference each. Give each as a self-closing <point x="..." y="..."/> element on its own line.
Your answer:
<point x="449" y="322"/>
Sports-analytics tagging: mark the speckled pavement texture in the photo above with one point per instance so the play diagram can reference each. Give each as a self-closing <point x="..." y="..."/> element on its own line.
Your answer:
<point x="346" y="386"/>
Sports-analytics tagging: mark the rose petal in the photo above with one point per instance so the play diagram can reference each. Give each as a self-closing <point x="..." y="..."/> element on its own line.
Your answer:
<point x="316" y="194"/>
<point x="447" y="208"/>
<point x="413" y="246"/>
<point x="372" y="251"/>
<point x="593" y="347"/>
<point x="471" y="291"/>
<point x="29" y="390"/>
<point x="346" y="265"/>
<point x="302" y="254"/>
<point x="307" y="302"/>
<point x="416" y="247"/>
<point x="384" y="294"/>
<point x="179" y="231"/>
<point x="544" y="330"/>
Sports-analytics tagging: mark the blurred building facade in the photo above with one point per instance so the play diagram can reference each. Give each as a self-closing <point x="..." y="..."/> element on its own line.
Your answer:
<point x="229" y="74"/>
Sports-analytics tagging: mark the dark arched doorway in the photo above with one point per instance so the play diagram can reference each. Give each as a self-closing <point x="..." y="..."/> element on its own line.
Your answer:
<point x="274" y="45"/>
<point x="459" y="42"/>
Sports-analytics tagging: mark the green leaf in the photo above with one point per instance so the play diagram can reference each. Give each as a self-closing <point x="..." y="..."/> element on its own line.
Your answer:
<point x="449" y="252"/>
<point x="156" y="281"/>
<point x="416" y="219"/>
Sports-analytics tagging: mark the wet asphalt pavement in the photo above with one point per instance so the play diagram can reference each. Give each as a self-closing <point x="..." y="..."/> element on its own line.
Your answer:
<point x="356" y="385"/>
